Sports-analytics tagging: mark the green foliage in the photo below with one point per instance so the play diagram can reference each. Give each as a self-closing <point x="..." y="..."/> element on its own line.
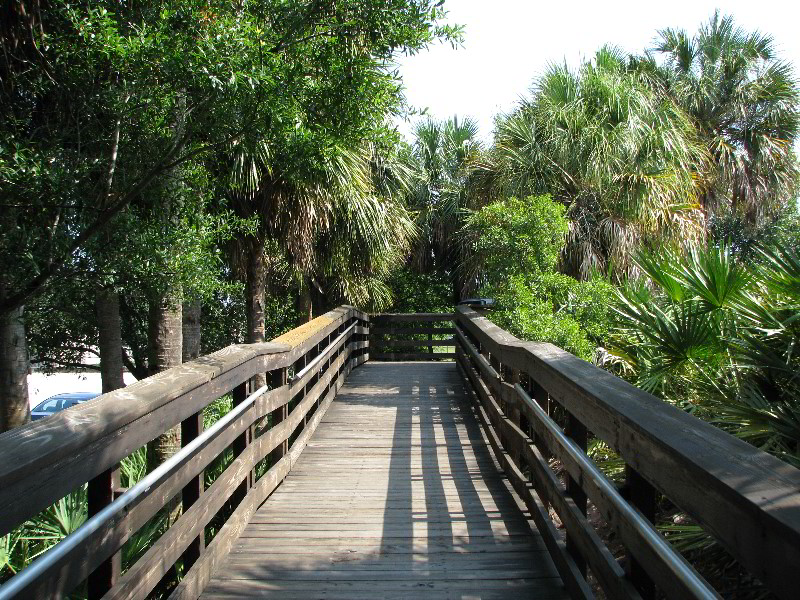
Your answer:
<point x="717" y="337"/>
<point x="515" y="245"/>
<point x="517" y="236"/>
<point x="553" y="308"/>
<point x="420" y="292"/>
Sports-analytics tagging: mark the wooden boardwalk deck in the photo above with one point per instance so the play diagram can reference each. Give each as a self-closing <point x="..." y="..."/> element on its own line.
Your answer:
<point x="396" y="496"/>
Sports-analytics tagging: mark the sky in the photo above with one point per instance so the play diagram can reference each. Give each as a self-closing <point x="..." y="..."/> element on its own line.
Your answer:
<point x="508" y="43"/>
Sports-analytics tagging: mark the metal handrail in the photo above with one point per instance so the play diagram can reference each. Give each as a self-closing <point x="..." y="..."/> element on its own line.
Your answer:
<point x="674" y="562"/>
<point x="41" y="565"/>
<point x="320" y="356"/>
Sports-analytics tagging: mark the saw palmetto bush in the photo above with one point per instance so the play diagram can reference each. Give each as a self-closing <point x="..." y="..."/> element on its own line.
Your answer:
<point x="719" y="338"/>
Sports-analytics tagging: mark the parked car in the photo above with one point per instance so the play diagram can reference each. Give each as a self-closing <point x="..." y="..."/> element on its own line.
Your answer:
<point x="59" y="402"/>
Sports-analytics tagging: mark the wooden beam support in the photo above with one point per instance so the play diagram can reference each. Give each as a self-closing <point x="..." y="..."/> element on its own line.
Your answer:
<point x="100" y="493"/>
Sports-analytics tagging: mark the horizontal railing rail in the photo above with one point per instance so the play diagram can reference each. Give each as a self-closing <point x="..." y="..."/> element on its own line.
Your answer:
<point x="412" y="336"/>
<point x="538" y="403"/>
<point x="267" y="429"/>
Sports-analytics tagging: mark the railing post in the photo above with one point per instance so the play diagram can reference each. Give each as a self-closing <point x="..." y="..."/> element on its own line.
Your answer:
<point x="513" y="378"/>
<point x="278" y="378"/>
<point x="642" y="495"/>
<point x="577" y="431"/>
<point x="240" y="445"/>
<point x="190" y="429"/>
<point x="100" y="493"/>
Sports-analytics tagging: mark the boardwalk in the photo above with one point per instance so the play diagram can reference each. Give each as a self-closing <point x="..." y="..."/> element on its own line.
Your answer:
<point x="396" y="496"/>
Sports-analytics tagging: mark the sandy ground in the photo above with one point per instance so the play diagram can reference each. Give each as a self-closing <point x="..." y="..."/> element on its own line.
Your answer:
<point x="41" y="386"/>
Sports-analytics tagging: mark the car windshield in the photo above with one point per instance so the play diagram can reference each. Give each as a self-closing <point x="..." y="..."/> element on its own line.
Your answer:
<point x="49" y="406"/>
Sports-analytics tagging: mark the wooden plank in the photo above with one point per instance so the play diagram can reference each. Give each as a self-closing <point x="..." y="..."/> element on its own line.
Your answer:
<point x="406" y="343"/>
<point x="100" y="493"/>
<point x="383" y="318"/>
<point x="376" y="331"/>
<point x="396" y="356"/>
<point x="389" y="500"/>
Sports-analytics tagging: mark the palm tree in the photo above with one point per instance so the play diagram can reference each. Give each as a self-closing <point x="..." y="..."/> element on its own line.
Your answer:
<point x="324" y="213"/>
<point x="446" y="155"/>
<point x="621" y="156"/>
<point x="745" y="104"/>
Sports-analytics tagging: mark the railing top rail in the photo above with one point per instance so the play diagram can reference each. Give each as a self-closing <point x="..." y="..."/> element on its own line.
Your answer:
<point x="748" y="499"/>
<point x="45" y="460"/>
<point x="412" y="317"/>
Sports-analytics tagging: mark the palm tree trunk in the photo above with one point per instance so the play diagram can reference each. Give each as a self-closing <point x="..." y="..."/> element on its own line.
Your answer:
<point x="110" y="339"/>
<point x="192" y="330"/>
<point x="255" y="292"/>
<point x="304" y="303"/>
<point x="14" y="366"/>
<point x="165" y="345"/>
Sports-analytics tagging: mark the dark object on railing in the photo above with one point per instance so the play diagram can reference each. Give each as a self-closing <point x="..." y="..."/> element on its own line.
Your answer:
<point x="477" y="303"/>
<point x="46" y="460"/>
<point x="747" y="499"/>
<point x="411" y="336"/>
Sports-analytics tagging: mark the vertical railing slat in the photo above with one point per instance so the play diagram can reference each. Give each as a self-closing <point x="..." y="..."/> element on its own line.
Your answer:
<point x="100" y="493"/>
<point x="190" y="429"/>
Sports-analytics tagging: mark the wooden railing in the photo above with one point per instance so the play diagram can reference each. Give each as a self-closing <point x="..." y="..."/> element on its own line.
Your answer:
<point x="267" y="429"/>
<point x="411" y="336"/>
<point x="537" y="403"/>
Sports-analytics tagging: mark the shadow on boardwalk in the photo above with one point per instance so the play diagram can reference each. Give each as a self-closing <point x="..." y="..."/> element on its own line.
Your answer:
<point x="396" y="496"/>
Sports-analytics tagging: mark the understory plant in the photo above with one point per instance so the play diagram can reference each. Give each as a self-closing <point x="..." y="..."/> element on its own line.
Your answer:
<point x="718" y="338"/>
<point x="515" y="249"/>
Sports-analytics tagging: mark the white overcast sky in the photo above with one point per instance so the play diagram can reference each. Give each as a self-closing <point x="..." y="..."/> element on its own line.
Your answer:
<point x="508" y="43"/>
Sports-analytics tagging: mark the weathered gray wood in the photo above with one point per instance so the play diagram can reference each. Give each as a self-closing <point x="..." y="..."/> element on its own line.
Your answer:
<point x="572" y="577"/>
<point x="407" y="343"/>
<point x="133" y="416"/>
<point x="74" y="566"/>
<point x="405" y="356"/>
<point x="190" y="429"/>
<point x="383" y="318"/>
<point x="746" y="498"/>
<point x="355" y="517"/>
<point x="198" y="576"/>
<point x="47" y="459"/>
<point x="147" y="572"/>
<point x="100" y="493"/>
<point x="376" y="331"/>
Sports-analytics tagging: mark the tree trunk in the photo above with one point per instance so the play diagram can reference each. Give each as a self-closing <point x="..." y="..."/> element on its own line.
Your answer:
<point x="192" y="331"/>
<point x="14" y="365"/>
<point x="109" y="327"/>
<point x="304" y="303"/>
<point x="165" y="345"/>
<point x="255" y="291"/>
